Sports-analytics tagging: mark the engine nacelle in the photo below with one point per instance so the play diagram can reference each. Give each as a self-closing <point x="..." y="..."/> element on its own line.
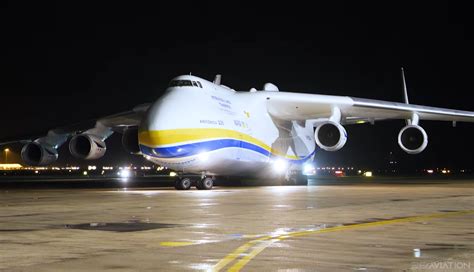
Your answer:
<point x="413" y="139"/>
<point x="130" y="140"/>
<point x="36" y="154"/>
<point x="330" y="136"/>
<point x="87" y="147"/>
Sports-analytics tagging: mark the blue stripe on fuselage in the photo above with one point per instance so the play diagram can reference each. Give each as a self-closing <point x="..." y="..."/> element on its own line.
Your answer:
<point x="186" y="150"/>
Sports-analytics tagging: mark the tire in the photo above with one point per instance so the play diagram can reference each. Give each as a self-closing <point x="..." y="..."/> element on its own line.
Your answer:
<point x="302" y="180"/>
<point x="297" y="180"/>
<point x="205" y="184"/>
<point x="183" y="184"/>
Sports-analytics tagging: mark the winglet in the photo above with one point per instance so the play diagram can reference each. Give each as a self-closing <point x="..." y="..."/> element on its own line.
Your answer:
<point x="405" y="92"/>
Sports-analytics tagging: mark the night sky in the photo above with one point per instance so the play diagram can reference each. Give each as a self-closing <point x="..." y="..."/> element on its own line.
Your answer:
<point x="71" y="61"/>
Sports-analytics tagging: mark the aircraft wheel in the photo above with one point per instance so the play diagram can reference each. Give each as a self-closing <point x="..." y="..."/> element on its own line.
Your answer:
<point x="205" y="184"/>
<point x="300" y="180"/>
<point x="183" y="184"/>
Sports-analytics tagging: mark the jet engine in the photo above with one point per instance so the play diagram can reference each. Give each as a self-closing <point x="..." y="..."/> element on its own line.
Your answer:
<point x="87" y="147"/>
<point x="36" y="154"/>
<point x="130" y="140"/>
<point x="330" y="136"/>
<point x="413" y="139"/>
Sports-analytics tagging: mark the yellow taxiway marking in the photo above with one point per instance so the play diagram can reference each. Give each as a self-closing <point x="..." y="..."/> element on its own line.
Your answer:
<point x="258" y="245"/>
<point x="176" y="244"/>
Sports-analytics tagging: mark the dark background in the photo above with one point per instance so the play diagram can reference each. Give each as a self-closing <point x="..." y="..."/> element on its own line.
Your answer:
<point x="70" y="61"/>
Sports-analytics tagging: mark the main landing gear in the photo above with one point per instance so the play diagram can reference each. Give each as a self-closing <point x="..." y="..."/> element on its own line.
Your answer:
<point x="205" y="183"/>
<point x="294" y="178"/>
<point x="185" y="183"/>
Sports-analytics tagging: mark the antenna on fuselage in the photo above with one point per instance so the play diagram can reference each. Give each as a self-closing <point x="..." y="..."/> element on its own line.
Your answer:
<point x="217" y="79"/>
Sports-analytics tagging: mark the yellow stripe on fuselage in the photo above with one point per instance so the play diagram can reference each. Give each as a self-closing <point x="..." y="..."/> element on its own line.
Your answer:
<point x="156" y="138"/>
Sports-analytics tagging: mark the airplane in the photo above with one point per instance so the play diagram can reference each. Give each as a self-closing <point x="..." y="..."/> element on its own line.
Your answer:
<point x="209" y="130"/>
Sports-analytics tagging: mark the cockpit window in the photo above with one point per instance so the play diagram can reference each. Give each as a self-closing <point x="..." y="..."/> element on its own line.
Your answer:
<point x="180" y="83"/>
<point x="185" y="83"/>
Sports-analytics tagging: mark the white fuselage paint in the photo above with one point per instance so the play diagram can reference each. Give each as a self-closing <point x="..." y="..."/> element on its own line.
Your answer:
<point x="218" y="131"/>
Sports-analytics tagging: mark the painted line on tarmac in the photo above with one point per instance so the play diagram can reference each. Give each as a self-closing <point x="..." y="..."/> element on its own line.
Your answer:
<point x="251" y="249"/>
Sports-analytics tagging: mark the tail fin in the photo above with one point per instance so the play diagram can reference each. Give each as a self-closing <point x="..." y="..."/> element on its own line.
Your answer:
<point x="405" y="92"/>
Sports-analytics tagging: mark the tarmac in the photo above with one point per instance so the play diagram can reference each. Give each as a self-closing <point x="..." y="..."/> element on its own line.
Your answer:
<point x="350" y="224"/>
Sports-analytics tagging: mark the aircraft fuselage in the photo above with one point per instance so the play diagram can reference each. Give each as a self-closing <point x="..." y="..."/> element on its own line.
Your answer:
<point x="201" y="127"/>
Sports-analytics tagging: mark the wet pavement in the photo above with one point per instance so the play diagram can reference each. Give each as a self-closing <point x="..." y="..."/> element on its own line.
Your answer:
<point x="353" y="225"/>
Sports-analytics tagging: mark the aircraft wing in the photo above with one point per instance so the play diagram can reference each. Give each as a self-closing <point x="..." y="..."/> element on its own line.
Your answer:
<point x="298" y="106"/>
<point x="125" y="119"/>
<point x="102" y="127"/>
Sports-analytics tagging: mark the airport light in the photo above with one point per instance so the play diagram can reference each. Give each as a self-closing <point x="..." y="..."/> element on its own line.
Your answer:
<point x="6" y="150"/>
<point x="368" y="174"/>
<point x="124" y="173"/>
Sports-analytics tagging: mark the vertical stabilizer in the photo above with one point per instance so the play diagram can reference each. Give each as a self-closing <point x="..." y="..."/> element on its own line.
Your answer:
<point x="405" y="92"/>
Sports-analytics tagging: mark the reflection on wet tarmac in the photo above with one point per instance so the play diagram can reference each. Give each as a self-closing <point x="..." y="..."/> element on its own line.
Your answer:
<point x="324" y="228"/>
<point x="121" y="227"/>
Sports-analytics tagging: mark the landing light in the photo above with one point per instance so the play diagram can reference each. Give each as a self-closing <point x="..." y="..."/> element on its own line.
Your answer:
<point x="309" y="169"/>
<point x="368" y="174"/>
<point x="203" y="156"/>
<point x="280" y="165"/>
<point x="173" y="174"/>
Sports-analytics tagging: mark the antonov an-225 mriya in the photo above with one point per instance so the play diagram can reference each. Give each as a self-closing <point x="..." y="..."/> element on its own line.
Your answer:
<point x="206" y="128"/>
